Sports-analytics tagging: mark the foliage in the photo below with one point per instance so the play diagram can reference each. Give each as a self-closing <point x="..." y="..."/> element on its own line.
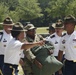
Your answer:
<point x="61" y="8"/>
<point x="3" y="11"/>
<point x="71" y="8"/>
<point x="29" y="9"/>
<point x="39" y="12"/>
<point x="10" y="3"/>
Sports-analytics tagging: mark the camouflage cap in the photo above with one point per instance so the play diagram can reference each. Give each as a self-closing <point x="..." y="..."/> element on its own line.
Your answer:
<point x="7" y="21"/>
<point x="69" y="19"/>
<point x="29" y="27"/>
<point x="18" y="27"/>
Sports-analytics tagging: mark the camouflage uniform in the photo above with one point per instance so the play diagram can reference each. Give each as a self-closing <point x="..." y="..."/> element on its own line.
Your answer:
<point x="29" y="56"/>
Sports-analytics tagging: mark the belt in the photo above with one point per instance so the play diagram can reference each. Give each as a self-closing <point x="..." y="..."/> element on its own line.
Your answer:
<point x="11" y="65"/>
<point x="1" y="55"/>
<point x="71" y="61"/>
<point x="74" y="60"/>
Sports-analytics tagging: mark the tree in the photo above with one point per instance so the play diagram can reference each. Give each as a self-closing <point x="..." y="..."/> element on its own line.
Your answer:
<point x="23" y="9"/>
<point x="10" y="3"/>
<point x="39" y="12"/>
<point x="60" y="8"/>
<point x="9" y="7"/>
<point x="3" y="11"/>
<point x="71" y="8"/>
<point x="28" y="9"/>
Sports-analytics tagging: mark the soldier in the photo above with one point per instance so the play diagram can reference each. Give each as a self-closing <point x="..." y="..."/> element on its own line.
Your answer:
<point x="51" y="29"/>
<point x="55" y="38"/>
<point x="15" y="48"/>
<point x="37" y="61"/>
<point x="68" y="44"/>
<point x="5" y="37"/>
<point x="30" y="58"/>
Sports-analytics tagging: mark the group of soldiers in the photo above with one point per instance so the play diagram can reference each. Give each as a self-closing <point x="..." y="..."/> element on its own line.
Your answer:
<point x="12" y="46"/>
<point x="65" y="45"/>
<point x="16" y="40"/>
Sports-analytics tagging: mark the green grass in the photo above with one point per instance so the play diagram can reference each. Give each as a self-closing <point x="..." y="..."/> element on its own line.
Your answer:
<point x="42" y="30"/>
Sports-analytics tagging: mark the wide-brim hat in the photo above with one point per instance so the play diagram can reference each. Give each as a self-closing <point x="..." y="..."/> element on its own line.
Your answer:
<point x="18" y="27"/>
<point x="29" y="27"/>
<point x="58" y="25"/>
<point x="59" y="21"/>
<point x="69" y="19"/>
<point x="7" y="21"/>
<point x="51" y="27"/>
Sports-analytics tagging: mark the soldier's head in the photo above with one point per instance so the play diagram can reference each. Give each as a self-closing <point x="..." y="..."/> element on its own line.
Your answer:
<point x="7" y="23"/>
<point x="31" y="30"/>
<point x="69" y="23"/>
<point x="59" y="27"/>
<point x="18" y="31"/>
<point x="51" y="29"/>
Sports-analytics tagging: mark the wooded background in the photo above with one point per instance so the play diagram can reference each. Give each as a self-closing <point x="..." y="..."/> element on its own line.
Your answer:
<point x="38" y="12"/>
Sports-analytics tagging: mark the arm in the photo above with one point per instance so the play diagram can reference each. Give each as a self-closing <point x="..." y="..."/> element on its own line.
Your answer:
<point x="31" y="45"/>
<point x="28" y="53"/>
<point x="21" y="62"/>
<point x="60" y="55"/>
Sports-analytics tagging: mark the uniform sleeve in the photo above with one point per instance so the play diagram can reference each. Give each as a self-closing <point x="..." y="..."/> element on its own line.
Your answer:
<point x="40" y="36"/>
<point x="28" y="53"/>
<point x="18" y="45"/>
<point x="47" y="38"/>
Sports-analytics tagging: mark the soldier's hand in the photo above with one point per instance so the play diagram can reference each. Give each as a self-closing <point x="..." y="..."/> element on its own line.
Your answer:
<point x="60" y="72"/>
<point x="38" y="63"/>
<point x="21" y="62"/>
<point x="40" y="43"/>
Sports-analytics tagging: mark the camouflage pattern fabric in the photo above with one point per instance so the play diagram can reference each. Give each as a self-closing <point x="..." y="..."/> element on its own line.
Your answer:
<point x="29" y="56"/>
<point x="27" y="67"/>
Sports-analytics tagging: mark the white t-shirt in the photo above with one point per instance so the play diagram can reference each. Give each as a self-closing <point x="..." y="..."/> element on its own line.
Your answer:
<point x="55" y="39"/>
<point x="13" y="52"/>
<point x="68" y="44"/>
<point x="4" y="41"/>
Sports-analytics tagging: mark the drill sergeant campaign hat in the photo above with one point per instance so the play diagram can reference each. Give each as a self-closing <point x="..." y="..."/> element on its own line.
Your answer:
<point x="51" y="27"/>
<point x="7" y="21"/>
<point x="58" y="25"/>
<point x="59" y="21"/>
<point x="29" y="27"/>
<point x="18" y="27"/>
<point x="69" y="19"/>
